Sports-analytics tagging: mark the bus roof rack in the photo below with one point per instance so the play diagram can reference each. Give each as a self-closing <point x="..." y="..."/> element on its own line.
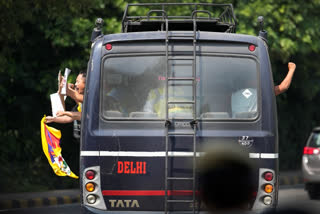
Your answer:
<point x="208" y="17"/>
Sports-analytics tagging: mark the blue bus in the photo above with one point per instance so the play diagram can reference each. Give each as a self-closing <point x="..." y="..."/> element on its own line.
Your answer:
<point x="159" y="91"/>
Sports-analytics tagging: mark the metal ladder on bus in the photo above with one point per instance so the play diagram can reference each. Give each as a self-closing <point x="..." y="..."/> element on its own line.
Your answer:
<point x="193" y="123"/>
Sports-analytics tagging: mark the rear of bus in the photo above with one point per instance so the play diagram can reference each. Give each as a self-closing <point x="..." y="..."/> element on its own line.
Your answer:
<point x="150" y="107"/>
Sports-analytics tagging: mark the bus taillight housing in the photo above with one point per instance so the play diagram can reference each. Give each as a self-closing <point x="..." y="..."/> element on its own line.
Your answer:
<point x="91" y="188"/>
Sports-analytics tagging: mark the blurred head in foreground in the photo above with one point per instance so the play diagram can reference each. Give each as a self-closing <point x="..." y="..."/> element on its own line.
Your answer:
<point x="226" y="178"/>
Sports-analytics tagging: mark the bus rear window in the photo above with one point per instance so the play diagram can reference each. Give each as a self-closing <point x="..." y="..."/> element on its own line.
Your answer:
<point x="133" y="87"/>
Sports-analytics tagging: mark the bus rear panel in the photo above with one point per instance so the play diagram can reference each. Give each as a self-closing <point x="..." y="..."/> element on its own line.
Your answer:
<point x="150" y="107"/>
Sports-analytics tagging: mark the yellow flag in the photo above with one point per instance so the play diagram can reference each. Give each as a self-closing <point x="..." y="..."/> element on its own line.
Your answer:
<point x="50" y="138"/>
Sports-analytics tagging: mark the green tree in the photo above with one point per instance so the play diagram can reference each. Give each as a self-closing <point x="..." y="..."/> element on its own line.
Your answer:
<point x="38" y="38"/>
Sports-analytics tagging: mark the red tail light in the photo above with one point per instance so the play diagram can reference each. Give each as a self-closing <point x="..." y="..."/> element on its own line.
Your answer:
<point x="268" y="176"/>
<point x="90" y="174"/>
<point x="252" y="48"/>
<point x="310" y="151"/>
<point x="108" y="46"/>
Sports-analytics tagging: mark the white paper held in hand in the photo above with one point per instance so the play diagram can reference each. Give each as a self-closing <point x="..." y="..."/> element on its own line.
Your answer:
<point x="65" y="81"/>
<point x="56" y="104"/>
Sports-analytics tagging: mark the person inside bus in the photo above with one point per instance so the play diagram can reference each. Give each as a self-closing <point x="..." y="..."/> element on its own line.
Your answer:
<point x="227" y="178"/>
<point x="76" y="92"/>
<point x="155" y="102"/>
<point x="117" y="98"/>
<point x="244" y="101"/>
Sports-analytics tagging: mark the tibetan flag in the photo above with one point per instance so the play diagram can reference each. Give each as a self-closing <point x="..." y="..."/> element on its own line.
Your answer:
<point x="50" y="138"/>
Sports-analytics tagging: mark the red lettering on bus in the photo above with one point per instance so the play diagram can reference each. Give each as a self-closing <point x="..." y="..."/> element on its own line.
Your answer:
<point x="120" y="167"/>
<point x="161" y="78"/>
<point x="139" y="167"/>
<point x="130" y="167"/>
<point x="144" y="167"/>
<point x="126" y="167"/>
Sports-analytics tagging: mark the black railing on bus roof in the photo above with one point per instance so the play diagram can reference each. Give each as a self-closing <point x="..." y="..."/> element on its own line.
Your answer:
<point x="220" y="18"/>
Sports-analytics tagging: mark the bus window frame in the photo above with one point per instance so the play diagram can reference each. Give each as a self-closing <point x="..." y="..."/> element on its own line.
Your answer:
<point x="184" y="53"/>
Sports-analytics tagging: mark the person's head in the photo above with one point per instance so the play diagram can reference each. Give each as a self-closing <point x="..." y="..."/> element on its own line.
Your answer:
<point x="81" y="82"/>
<point x="226" y="178"/>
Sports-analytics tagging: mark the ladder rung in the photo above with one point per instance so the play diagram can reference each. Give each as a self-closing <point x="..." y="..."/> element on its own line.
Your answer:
<point x="180" y="201"/>
<point x="181" y="78"/>
<point x="181" y="102"/>
<point x="172" y="58"/>
<point x="180" y="133"/>
<point x="180" y="178"/>
<point x="181" y="64"/>
<point x="189" y="36"/>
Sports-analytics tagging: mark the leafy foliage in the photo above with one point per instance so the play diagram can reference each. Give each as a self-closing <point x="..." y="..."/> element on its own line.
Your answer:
<point x="40" y="37"/>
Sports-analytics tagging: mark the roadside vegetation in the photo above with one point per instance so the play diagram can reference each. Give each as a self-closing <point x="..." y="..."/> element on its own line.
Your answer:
<point x="38" y="38"/>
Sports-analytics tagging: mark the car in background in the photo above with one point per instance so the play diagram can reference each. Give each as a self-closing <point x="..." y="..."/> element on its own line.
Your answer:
<point x="311" y="164"/>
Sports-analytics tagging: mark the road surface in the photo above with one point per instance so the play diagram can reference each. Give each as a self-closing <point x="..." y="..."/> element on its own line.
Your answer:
<point x="296" y="196"/>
